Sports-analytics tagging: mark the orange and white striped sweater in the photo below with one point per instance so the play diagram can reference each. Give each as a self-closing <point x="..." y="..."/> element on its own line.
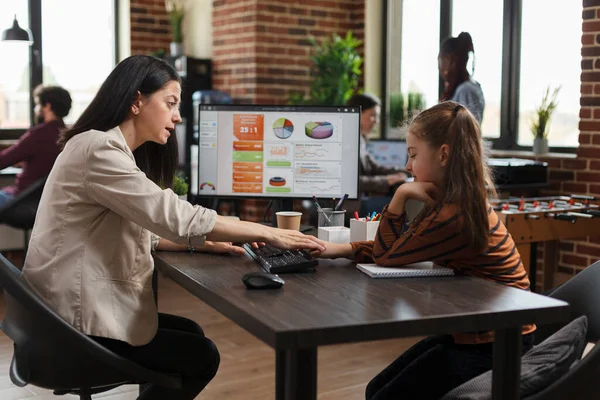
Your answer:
<point x="439" y="238"/>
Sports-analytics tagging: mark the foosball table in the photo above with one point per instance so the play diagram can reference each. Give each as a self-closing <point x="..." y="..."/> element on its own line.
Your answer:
<point x="549" y="220"/>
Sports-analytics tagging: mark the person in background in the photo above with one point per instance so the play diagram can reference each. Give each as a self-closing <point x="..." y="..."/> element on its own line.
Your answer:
<point x="37" y="148"/>
<point x="102" y="213"/>
<point x="374" y="178"/>
<point x="459" y="84"/>
<point x="458" y="229"/>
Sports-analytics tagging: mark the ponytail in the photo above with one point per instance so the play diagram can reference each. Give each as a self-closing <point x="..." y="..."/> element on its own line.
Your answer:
<point x="466" y="47"/>
<point x="459" y="48"/>
<point x="467" y="180"/>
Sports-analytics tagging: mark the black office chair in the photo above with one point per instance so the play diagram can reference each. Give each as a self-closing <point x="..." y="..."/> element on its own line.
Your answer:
<point x="583" y="294"/>
<point x="50" y="353"/>
<point x="19" y="212"/>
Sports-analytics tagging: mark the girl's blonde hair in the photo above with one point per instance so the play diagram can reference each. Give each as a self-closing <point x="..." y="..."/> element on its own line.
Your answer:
<point x="467" y="182"/>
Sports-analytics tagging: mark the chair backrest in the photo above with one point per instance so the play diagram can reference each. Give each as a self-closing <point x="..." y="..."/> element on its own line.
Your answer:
<point x="39" y="333"/>
<point x="20" y="211"/>
<point x="583" y="295"/>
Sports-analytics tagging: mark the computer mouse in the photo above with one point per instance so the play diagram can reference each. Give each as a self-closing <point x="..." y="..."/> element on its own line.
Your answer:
<point x="262" y="280"/>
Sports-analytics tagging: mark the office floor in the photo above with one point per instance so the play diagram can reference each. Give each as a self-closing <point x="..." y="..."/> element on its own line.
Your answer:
<point x="247" y="365"/>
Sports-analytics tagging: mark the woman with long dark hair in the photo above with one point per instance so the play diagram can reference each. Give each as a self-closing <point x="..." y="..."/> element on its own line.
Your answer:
<point x="459" y="84"/>
<point x="90" y="256"/>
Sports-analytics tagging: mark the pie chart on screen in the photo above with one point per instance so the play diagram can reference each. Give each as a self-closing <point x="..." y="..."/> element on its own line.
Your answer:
<point x="318" y="130"/>
<point x="283" y="128"/>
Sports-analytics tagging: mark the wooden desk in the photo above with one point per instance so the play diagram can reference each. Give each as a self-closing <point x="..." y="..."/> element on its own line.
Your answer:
<point x="339" y="304"/>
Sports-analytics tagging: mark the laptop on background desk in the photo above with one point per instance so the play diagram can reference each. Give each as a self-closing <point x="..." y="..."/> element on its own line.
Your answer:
<point x="391" y="153"/>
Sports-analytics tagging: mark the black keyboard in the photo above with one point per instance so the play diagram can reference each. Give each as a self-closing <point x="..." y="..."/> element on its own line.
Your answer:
<point x="276" y="261"/>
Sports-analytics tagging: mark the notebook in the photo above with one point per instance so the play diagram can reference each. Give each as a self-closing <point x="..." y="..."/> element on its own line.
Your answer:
<point x="425" y="268"/>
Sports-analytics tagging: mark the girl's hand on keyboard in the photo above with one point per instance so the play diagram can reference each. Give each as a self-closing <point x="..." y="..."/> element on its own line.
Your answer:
<point x="289" y="239"/>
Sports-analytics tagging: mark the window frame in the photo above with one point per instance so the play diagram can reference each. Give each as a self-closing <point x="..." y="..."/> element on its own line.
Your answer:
<point x="36" y="63"/>
<point x="511" y="73"/>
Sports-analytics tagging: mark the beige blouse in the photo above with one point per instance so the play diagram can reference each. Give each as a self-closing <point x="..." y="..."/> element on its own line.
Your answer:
<point x="90" y="256"/>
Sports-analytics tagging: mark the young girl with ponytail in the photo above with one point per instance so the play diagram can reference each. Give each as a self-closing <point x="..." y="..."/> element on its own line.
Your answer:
<point x="459" y="85"/>
<point x="458" y="229"/>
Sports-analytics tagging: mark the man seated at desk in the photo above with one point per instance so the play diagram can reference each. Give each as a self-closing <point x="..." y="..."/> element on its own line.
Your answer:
<point x="37" y="148"/>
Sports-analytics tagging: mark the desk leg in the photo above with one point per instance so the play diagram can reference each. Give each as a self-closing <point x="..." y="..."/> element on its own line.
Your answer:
<point x="506" y="372"/>
<point x="296" y="374"/>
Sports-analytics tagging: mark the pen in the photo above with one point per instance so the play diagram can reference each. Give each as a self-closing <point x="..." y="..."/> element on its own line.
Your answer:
<point x="356" y="215"/>
<point x="320" y="209"/>
<point x="339" y="204"/>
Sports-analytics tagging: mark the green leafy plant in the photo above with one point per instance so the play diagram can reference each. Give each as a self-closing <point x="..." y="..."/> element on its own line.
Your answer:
<point x="175" y="11"/>
<point x="396" y="109"/>
<point x="416" y="103"/>
<point x="336" y="69"/>
<point x="540" y="124"/>
<point x="160" y="53"/>
<point x="180" y="186"/>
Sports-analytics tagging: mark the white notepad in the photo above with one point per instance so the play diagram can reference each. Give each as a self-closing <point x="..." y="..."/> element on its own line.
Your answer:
<point x="425" y="268"/>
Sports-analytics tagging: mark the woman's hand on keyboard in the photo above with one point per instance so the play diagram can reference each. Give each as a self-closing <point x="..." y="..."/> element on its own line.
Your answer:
<point x="290" y="239"/>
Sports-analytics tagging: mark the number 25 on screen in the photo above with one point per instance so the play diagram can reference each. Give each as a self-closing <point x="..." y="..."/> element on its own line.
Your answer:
<point x="246" y="129"/>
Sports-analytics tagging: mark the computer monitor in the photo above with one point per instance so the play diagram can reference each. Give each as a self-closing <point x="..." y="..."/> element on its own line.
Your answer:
<point x="391" y="153"/>
<point x="282" y="152"/>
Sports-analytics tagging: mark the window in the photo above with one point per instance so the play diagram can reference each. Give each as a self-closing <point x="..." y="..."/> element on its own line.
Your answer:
<point x="414" y="49"/>
<point x="550" y="57"/>
<point x="517" y="56"/>
<point x="77" y="54"/>
<point x="14" y="70"/>
<point x="78" y="62"/>
<point x="487" y="41"/>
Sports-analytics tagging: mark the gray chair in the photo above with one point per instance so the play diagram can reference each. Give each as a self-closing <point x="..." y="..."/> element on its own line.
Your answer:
<point x="50" y="353"/>
<point x="582" y="292"/>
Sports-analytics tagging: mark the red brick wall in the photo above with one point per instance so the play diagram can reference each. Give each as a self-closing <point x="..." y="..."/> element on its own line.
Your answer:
<point x="581" y="175"/>
<point x="150" y="29"/>
<point x="260" y="51"/>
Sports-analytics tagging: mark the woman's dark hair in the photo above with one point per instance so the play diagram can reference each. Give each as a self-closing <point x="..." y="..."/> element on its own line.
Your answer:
<point x="458" y="48"/>
<point x="112" y="104"/>
<point x="364" y="100"/>
<point x="58" y="98"/>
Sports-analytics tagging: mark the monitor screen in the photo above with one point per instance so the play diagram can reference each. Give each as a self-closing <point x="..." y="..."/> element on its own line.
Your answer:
<point x="278" y="151"/>
<point x="391" y="153"/>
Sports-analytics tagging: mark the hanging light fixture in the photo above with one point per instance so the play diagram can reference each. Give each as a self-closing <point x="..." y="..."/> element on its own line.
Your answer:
<point x="17" y="34"/>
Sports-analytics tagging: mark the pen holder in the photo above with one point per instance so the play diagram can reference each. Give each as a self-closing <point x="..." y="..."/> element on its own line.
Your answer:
<point x="361" y="230"/>
<point x="334" y="234"/>
<point x="328" y="217"/>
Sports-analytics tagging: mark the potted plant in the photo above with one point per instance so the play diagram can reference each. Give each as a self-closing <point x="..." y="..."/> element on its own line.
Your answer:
<point x="180" y="187"/>
<point x="175" y="10"/>
<point x="541" y="123"/>
<point x="336" y="68"/>
<point x="396" y="109"/>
